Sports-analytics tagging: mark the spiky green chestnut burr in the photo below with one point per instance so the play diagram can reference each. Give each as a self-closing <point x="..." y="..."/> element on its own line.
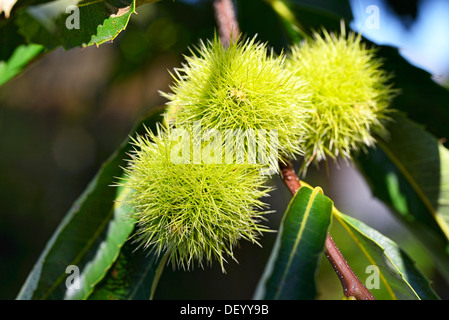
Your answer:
<point x="195" y="212"/>
<point x="351" y="94"/>
<point x="240" y="87"/>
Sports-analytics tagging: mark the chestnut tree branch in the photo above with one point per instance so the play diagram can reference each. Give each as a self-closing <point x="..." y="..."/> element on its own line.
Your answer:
<point x="225" y="16"/>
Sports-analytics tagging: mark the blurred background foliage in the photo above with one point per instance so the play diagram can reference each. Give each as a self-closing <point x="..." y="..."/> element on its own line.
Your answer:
<point x="70" y="110"/>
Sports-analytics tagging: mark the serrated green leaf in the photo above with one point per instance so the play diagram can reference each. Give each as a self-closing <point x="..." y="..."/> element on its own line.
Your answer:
<point x="290" y="271"/>
<point x="409" y="172"/>
<point x="74" y="23"/>
<point x="89" y="236"/>
<point x="398" y="277"/>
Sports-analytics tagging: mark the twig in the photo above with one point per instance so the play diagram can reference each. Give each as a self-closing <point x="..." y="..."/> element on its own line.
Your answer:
<point x="352" y="286"/>
<point x="289" y="176"/>
<point x="228" y="27"/>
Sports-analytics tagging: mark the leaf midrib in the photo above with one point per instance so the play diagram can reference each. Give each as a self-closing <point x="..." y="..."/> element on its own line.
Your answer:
<point x="81" y="253"/>
<point x="298" y="237"/>
<point x="89" y="244"/>
<point x="415" y="185"/>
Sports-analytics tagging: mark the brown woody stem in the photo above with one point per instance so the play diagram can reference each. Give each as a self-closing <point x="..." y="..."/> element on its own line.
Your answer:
<point x="225" y="16"/>
<point x="352" y="286"/>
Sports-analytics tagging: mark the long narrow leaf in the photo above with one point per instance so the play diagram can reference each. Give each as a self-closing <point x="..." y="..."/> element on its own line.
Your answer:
<point x="134" y="276"/>
<point x="398" y="277"/>
<point x="290" y="271"/>
<point x="117" y="232"/>
<point x="90" y="235"/>
<point x="409" y="172"/>
<point x="294" y="29"/>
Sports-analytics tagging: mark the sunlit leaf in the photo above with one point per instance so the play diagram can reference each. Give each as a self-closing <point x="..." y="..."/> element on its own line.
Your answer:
<point x="394" y="274"/>
<point x="73" y="23"/>
<point x="134" y="275"/>
<point x="19" y="60"/>
<point x="290" y="271"/>
<point x="409" y="171"/>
